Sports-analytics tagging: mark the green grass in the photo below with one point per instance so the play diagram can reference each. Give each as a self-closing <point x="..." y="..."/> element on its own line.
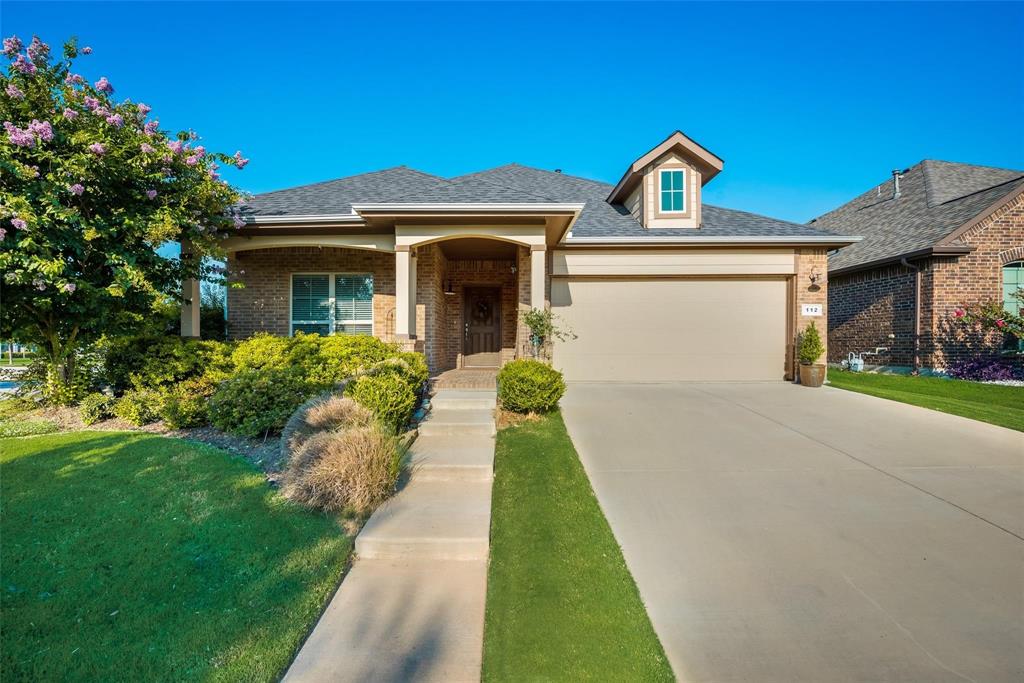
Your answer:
<point x="561" y="604"/>
<point x="131" y="557"/>
<point x="1000" y="405"/>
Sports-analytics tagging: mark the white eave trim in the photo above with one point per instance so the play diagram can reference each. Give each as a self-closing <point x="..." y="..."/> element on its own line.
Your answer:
<point x="470" y="208"/>
<point x="309" y="218"/>
<point x="700" y="239"/>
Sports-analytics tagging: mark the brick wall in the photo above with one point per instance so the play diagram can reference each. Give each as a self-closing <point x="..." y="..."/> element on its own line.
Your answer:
<point x="263" y="305"/>
<point x="808" y="260"/>
<point x="866" y="306"/>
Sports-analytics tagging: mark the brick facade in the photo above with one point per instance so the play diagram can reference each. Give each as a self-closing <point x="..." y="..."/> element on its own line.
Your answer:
<point x="867" y="306"/>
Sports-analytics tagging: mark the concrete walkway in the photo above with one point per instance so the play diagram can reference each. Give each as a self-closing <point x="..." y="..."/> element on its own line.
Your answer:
<point x="781" y="533"/>
<point x="412" y="606"/>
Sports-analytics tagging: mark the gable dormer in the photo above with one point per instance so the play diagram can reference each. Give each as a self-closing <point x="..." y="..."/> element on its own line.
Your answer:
<point x="662" y="189"/>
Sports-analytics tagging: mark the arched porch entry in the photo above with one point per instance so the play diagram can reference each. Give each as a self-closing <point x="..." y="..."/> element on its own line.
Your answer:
<point x="469" y="291"/>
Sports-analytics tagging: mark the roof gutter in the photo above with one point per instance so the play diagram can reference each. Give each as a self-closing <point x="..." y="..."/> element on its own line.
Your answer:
<point x="937" y="250"/>
<point x="822" y="240"/>
<point x="306" y="219"/>
<point x="541" y="207"/>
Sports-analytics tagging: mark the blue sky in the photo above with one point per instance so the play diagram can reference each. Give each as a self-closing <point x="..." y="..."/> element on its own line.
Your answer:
<point x="809" y="104"/>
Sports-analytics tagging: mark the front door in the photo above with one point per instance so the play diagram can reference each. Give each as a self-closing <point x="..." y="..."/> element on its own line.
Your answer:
<point x="482" y="328"/>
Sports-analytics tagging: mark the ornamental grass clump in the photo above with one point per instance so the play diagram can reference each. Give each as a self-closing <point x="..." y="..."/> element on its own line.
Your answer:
<point x="529" y="386"/>
<point x="351" y="470"/>
<point x="324" y="413"/>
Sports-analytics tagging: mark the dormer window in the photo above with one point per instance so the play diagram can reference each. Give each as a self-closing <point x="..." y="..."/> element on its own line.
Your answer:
<point x="672" y="189"/>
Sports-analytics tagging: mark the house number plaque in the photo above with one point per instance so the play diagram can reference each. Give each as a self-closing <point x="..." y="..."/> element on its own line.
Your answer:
<point x="810" y="309"/>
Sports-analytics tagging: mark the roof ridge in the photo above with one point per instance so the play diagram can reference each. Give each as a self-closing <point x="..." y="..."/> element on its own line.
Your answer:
<point x="508" y="187"/>
<point x="984" y="189"/>
<point x="756" y="215"/>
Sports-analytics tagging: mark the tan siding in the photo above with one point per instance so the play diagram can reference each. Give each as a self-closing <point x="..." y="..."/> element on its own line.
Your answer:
<point x="674" y="262"/>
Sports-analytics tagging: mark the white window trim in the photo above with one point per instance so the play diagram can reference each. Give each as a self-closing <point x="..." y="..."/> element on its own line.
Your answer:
<point x="672" y="170"/>
<point x="333" y="321"/>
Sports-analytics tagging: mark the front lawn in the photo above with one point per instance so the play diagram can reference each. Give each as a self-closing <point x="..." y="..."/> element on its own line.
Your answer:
<point x="1000" y="405"/>
<point x="561" y="603"/>
<point x="137" y="557"/>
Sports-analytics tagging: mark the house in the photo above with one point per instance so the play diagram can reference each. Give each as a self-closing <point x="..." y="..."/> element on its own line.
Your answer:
<point x="937" y="236"/>
<point x="655" y="284"/>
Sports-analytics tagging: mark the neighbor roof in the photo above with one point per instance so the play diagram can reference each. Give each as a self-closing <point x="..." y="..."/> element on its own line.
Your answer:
<point x="936" y="198"/>
<point x="509" y="184"/>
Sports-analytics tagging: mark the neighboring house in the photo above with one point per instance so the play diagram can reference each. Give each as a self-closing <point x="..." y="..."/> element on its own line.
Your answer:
<point x="655" y="284"/>
<point x="937" y="236"/>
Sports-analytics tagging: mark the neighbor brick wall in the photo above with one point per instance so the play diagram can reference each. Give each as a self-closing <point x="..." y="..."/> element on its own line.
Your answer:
<point x="866" y="306"/>
<point x="262" y="305"/>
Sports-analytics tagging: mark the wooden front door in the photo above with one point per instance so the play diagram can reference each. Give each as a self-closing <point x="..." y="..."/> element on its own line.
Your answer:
<point x="482" y="327"/>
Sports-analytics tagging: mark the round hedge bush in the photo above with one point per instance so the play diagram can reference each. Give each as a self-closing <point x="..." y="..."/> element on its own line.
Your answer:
<point x="529" y="386"/>
<point x="389" y="396"/>
<point x="258" y="402"/>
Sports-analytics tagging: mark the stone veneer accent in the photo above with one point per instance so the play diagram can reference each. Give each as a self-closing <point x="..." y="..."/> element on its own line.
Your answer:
<point x="868" y="305"/>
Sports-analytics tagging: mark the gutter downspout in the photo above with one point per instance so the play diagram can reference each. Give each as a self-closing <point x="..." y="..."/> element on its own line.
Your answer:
<point x="917" y="313"/>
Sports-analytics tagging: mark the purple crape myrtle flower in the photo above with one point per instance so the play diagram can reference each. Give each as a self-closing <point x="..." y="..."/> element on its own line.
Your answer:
<point x="91" y="103"/>
<point x="73" y="79"/>
<point x="77" y="189"/>
<point x="70" y="288"/>
<point x="147" y="148"/>
<point x="192" y="160"/>
<point x="101" y="111"/>
<point x="70" y="114"/>
<point x="13" y="91"/>
<point x="200" y="151"/>
<point x="42" y="129"/>
<point x="213" y="174"/>
<point x="12" y="46"/>
<point x="3" y="233"/>
<point x="240" y="163"/>
<point x="19" y="137"/>
<point x="24" y="66"/>
<point x="86" y="50"/>
<point x="19" y="223"/>
<point x="176" y="146"/>
<point x="239" y="223"/>
<point x="115" y="120"/>
<point x="103" y="85"/>
<point x="97" y="149"/>
<point x="151" y="194"/>
<point x="38" y="50"/>
<point x="150" y="127"/>
<point x="39" y="284"/>
<point x="144" y="108"/>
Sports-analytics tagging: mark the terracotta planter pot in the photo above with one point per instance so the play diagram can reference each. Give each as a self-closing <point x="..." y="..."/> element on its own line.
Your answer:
<point x="812" y="375"/>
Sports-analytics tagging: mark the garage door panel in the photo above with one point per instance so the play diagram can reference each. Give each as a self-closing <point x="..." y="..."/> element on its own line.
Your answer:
<point x="671" y="330"/>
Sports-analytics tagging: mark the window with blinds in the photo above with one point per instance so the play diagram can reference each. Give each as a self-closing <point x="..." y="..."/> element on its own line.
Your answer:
<point x="329" y="303"/>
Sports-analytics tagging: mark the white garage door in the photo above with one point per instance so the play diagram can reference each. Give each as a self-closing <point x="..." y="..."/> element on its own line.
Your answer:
<point x="638" y="330"/>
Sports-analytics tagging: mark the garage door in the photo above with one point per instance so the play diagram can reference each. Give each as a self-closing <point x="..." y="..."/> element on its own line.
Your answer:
<point x="640" y="330"/>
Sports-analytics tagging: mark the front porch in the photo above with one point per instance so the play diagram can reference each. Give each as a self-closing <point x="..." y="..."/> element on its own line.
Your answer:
<point x="465" y="378"/>
<point x="458" y="300"/>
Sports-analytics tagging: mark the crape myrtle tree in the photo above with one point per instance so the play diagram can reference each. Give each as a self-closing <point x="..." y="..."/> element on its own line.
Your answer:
<point x="90" y="188"/>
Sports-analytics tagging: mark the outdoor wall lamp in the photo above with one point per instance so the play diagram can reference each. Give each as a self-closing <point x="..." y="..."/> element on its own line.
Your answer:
<point x="815" y="277"/>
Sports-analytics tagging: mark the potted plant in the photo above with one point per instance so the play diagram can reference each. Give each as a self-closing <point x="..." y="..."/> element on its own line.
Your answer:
<point x="812" y="373"/>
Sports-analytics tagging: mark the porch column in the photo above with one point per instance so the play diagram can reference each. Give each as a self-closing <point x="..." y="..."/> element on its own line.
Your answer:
<point x="537" y="273"/>
<point x="190" y="301"/>
<point x="405" y="293"/>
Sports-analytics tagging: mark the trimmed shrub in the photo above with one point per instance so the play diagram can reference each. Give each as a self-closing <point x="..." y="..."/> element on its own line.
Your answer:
<point x="342" y="356"/>
<point x="258" y="402"/>
<point x="96" y="407"/>
<point x="985" y="370"/>
<point x="186" y="404"/>
<point x="529" y="386"/>
<point x="811" y="347"/>
<point x="388" y="395"/>
<point x="353" y="470"/>
<point x="139" y="406"/>
<point x="327" y="412"/>
<point x="150" y="362"/>
<point x="418" y="371"/>
<point x="261" y="351"/>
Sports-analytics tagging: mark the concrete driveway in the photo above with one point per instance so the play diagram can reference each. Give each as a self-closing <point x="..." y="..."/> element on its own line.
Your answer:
<point x="780" y="533"/>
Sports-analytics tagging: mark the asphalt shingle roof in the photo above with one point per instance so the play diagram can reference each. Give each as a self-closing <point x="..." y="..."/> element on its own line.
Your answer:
<point x="936" y="198"/>
<point x="512" y="183"/>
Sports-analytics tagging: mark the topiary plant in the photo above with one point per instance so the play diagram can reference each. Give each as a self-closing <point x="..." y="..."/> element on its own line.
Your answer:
<point x="529" y="386"/>
<point x="811" y="346"/>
